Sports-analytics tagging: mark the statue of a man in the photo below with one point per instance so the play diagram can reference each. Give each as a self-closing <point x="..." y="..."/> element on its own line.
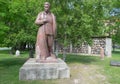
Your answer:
<point x="46" y="34"/>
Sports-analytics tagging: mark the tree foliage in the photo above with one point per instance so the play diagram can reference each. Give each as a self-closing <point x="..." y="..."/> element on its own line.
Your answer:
<point x="77" y="20"/>
<point x="115" y="17"/>
<point x="18" y="16"/>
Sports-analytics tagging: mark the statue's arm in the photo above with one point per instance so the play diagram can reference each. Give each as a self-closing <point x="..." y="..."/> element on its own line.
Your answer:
<point x="54" y="26"/>
<point x="38" y="20"/>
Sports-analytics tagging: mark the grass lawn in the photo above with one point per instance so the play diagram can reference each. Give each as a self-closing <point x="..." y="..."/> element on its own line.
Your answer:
<point x="80" y="67"/>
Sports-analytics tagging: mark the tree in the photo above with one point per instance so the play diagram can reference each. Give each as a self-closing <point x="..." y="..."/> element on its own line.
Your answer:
<point x="78" y="20"/>
<point x="3" y="27"/>
<point x="19" y="17"/>
<point x="114" y="26"/>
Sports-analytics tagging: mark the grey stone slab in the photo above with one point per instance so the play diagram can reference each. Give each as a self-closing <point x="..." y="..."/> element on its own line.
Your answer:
<point x="32" y="70"/>
<point x="115" y="63"/>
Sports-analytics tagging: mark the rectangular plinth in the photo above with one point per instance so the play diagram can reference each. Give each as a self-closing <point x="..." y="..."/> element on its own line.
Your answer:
<point x="115" y="63"/>
<point x="33" y="70"/>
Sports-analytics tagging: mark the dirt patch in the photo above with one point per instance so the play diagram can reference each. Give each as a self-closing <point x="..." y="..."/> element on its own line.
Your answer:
<point x="88" y="74"/>
<point x="85" y="74"/>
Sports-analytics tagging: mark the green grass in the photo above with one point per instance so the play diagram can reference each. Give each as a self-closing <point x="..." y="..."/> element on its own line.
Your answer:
<point x="10" y="65"/>
<point x="112" y="72"/>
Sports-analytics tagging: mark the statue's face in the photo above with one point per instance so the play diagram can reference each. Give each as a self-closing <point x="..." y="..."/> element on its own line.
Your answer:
<point x="46" y="6"/>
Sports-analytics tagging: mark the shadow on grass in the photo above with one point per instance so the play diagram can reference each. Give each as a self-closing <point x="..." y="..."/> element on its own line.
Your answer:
<point x="4" y="51"/>
<point x="81" y="59"/>
<point x="116" y="52"/>
<point x="12" y="61"/>
<point x="69" y="59"/>
<point x="10" y="52"/>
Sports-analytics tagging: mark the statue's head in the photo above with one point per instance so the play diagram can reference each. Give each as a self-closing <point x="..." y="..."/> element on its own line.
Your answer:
<point x="46" y="6"/>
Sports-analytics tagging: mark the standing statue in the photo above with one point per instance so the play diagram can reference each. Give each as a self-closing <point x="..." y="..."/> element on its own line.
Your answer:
<point x="46" y="34"/>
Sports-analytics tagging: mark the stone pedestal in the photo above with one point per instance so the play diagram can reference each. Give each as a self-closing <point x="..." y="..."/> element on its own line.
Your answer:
<point x="33" y="70"/>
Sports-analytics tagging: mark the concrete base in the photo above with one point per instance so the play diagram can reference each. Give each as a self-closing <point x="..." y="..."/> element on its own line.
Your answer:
<point x="115" y="63"/>
<point x="33" y="70"/>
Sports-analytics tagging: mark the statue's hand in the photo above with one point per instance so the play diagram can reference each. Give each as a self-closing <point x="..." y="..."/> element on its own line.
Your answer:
<point x="45" y="21"/>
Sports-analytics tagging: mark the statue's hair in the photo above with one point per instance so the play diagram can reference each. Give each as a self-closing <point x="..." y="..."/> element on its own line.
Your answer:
<point x="47" y="3"/>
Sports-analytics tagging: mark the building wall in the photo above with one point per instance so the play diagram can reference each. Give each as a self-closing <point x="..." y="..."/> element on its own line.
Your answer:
<point x="94" y="49"/>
